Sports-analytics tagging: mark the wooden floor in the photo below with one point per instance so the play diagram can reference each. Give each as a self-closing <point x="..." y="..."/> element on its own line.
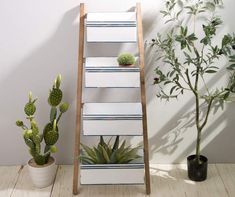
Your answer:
<point x="166" y="181"/>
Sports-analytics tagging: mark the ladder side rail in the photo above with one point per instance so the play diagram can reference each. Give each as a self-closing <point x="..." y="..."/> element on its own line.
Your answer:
<point x="79" y="100"/>
<point x="143" y="97"/>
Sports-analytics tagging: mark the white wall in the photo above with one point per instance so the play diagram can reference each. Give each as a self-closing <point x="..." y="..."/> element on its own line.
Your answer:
<point x="39" y="39"/>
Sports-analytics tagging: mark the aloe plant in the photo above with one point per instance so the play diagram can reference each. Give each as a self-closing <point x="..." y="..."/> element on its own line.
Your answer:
<point x="105" y="153"/>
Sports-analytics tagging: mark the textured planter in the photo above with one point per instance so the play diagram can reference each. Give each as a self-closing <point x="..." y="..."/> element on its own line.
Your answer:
<point x="42" y="176"/>
<point x="112" y="174"/>
<point x="197" y="172"/>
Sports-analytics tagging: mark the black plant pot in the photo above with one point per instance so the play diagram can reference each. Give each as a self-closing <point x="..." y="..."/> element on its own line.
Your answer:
<point x="197" y="171"/>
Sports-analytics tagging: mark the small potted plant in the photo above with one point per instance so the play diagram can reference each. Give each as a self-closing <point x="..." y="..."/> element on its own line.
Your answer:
<point x="42" y="168"/>
<point x="190" y="55"/>
<point x="126" y="60"/>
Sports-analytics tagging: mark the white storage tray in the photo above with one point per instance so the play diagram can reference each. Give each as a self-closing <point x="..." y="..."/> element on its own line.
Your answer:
<point x="112" y="174"/>
<point x="105" y="72"/>
<point x="112" y="119"/>
<point x="111" y="27"/>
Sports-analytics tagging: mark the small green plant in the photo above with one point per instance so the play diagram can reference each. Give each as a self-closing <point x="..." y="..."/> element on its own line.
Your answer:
<point x="32" y="137"/>
<point x="105" y="153"/>
<point x="126" y="59"/>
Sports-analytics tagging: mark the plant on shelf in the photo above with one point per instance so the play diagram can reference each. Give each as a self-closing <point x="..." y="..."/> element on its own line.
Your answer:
<point x="126" y="59"/>
<point x="31" y="134"/>
<point x="105" y="153"/>
<point x="190" y="55"/>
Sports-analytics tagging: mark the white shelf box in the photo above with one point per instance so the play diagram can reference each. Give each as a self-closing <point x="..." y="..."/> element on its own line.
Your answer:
<point x="112" y="174"/>
<point x="112" y="119"/>
<point x="111" y="27"/>
<point x="105" y="72"/>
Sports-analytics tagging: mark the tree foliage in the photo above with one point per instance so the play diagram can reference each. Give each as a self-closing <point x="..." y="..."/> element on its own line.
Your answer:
<point x="190" y="54"/>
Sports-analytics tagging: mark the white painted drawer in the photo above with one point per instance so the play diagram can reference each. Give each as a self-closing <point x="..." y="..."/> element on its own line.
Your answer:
<point x="111" y="27"/>
<point x="111" y="17"/>
<point x="112" y="174"/>
<point x="111" y="34"/>
<point x="105" y="72"/>
<point x="112" y="119"/>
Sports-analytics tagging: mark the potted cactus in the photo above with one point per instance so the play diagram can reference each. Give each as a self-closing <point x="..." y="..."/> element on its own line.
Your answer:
<point x="42" y="166"/>
<point x="126" y="59"/>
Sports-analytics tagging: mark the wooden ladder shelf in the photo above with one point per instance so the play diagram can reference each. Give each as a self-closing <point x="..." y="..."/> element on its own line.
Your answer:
<point x="79" y="104"/>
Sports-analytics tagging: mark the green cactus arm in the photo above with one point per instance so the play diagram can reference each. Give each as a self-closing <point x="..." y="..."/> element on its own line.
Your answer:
<point x="47" y="156"/>
<point x="54" y="125"/>
<point x="53" y="149"/>
<point x="47" y="148"/>
<point x="63" y="108"/>
<point x="41" y="137"/>
<point x="30" y="97"/>
<point x="58" y="119"/>
<point x="21" y="124"/>
<point x="58" y="81"/>
<point x="53" y="114"/>
<point x="34" y="126"/>
<point x="38" y="148"/>
<point x="55" y="97"/>
<point x="40" y="159"/>
<point x="29" y="142"/>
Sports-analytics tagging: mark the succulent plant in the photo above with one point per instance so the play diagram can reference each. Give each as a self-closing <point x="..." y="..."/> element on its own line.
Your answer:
<point x="105" y="153"/>
<point x="32" y="137"/>
<point x="126" y="59"/>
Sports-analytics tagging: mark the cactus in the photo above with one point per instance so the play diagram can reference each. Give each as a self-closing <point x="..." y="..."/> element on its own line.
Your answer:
<point x="32" y="136"/>
<point x="30" y="107"/>
<point x="52" y="135"/>
<point x="55" y="95"/>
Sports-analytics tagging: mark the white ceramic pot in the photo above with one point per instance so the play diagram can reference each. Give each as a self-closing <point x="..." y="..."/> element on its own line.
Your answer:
<point x="42" y="176"/>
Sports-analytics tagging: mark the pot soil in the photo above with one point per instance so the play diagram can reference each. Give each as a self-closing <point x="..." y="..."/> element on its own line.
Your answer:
<point x="197" y="171"/>
<point x="42" y="175"/>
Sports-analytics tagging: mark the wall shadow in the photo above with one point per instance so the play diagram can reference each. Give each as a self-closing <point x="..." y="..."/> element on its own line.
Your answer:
<point x="36" y="72"/>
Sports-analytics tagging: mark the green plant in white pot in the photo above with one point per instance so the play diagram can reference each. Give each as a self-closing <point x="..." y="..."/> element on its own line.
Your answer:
<point x="42" y="166"/>
<point x="190" y="54"/>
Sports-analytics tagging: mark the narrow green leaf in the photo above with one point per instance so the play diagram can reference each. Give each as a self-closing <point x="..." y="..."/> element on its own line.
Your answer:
<point x="172" y="89"/>
<point x="116" y="144"/>
<point x="210" y="71"/>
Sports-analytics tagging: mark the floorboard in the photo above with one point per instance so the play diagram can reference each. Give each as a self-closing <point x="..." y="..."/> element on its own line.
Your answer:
<point x="166" y="181"/>
<point x="227" y="174"/>
<point x="25" y="188"/>
<point x="8" y="179"/>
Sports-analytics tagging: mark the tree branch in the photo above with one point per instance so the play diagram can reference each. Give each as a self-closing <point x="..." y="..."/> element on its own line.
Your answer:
<point x="207" y="113"/>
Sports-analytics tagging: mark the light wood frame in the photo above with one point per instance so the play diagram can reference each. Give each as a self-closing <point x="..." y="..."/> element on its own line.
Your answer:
<point x="79" y="99"/>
